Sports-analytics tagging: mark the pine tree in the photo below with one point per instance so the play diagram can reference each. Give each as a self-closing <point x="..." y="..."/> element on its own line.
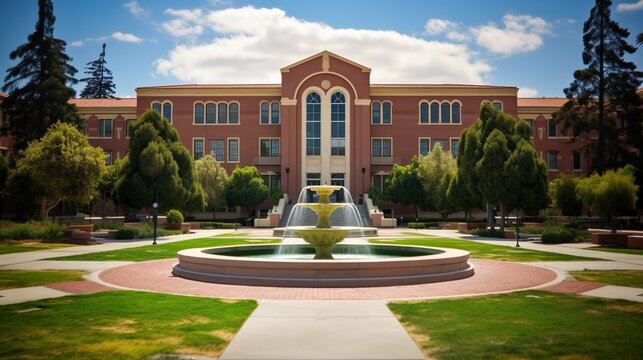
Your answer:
<point x="99" y="84"/>
<point x="38" y="85"/>
<point x="602" y="97"/>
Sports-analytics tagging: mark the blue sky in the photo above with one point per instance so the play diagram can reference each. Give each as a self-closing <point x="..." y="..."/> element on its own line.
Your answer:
<point x="535" y="45"/>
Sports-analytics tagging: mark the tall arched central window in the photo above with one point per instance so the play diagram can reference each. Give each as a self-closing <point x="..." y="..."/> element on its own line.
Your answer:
<point x="313" y="124"/>
<point x="337" y="124"/>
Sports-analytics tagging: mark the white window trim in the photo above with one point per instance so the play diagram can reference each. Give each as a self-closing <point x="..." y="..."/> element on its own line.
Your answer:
<point x="382" y="102"/>
<point x="194" y="104"/>
<point x="428" y="112"/>
<point x="450" y="143"/>
<point x="382" y="148"/>
<point x="269" y="102"/>
<point x="439" y="123"/>
<point x="194" y="147"/>
<point x="557" y="154"/>
<point x="99" y="129"/>
<point x="212" y="150"/>
<point x="270" y="138"/>
<point x="228" y="140"/>
<point x="127" y="131"/>
<point x="420" y="146"/>
<point x="371" y="114"/>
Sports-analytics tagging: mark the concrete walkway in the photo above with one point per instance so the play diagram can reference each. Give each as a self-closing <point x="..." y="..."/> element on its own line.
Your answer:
<point x="322" y="330"/>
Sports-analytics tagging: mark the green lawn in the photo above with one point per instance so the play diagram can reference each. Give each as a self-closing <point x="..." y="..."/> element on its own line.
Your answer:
<point x="11" y="247"/>
<point x="167" y="250"/>
<point x="631" y="278"/>
<point x="11" y="279"/>
<point x="618" y="250"/>
<point x="119" y="325"/>
<point x="484" y="251"/>
<point x="525" y="325"/>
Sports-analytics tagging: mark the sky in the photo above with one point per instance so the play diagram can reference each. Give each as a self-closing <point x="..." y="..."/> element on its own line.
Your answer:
<point x="534" y="45"/>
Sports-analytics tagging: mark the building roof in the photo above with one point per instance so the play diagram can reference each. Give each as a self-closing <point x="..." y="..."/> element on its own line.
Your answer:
<point x="211" y="86"/>
<point x="104" y="103"/>
<point x="541" y="102"/>
<point x="325" y="54"/>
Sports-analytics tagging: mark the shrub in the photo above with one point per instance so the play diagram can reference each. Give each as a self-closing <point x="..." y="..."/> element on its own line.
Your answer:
<point x="488" y="233"/>
<point x="45" y="230"/>
<point x="557" y="236"/>
<point x="416" y="225"/>
<point x="125" y="233"/>
<point x="576" y="225"/>
<point x="174" y="217"/>
<point x="218" y="225"/>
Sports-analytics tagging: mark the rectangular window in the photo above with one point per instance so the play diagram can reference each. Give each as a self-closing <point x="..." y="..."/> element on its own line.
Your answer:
<point x="274" y="113"/>
<point x="497" y="105"/>
<point x="454" y="146"/>
<point x="269" y="147"/>
<point x="108" y="158"/>
<point x="197" y="148"/>
<point x="128" y="125"/>
<point x="378" y="181"/>
<point x="313" y="179"/>
<point x="217" y="149"/>
<point x="233" y="150"/>
<point x="337" y="179"/>
<point x="552" y="128"/>
<point x="234" y="113"/>
<point x="442" y="144"/>
<point x="210" y="113"/>
<point x="105" y="128"/>
<point x="425" y="146"/>
<point x="272" y="181"/>
<point x="576" y="160"/>
<point x="530" y="122"/>
<point x="381" y="148"/>
<point x="552" y="160"/>
<point x="313" y="129"/>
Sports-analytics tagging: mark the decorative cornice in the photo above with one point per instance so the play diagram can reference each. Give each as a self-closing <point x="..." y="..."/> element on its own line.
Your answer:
<point x="211" y="91"/>
<point x="365" y="102"/>
<point x="442" y="90"/>
<point x="288" y="102"/>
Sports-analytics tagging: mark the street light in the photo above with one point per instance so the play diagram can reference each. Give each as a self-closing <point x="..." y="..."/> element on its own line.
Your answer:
<point x="287" y="172"/>
<point x="518" y="217"/>
<point x="364" y="180"/>
<point x="154" y="207"/>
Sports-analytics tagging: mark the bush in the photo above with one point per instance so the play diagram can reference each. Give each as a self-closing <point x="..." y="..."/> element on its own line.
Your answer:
<point x="576" y="225"/>
<point x="174" y="217"/>
<point x="144" y="231"/>
<point x="488" y="233"/>
<point x="558" y="236"/>
<point x="126" y="233"/>
<point x="416" y="225"/>
<point x="218" y="225"/>
<point x="45" y="230"/>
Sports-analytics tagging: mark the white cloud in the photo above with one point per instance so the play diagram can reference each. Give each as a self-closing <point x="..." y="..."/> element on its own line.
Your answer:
<point x="525" y="92"/>
<point x="252" y="44"/>
<point x="77" y="43"/>
<point x="135" y="9"/>
<point x="522" y="33"/>
<point x="457" y="36"/>
<point x="438" y="26"/>
<point x="623" y="7"/>
<point x="186" y="22"/>
<point x="126" y="37"/>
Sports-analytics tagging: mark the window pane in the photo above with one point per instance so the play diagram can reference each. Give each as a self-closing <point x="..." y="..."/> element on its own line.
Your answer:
<point x="198" y="148"/>
<point x="198" y="113"/>
<point x="210" y="113"/>
<point x="576" y="160"/>
<point x="156" y="107"/>
<point x="376" y="113"/>
<point x="274" y="150"/>
<point x="446" y="113"/>
<point x="435" y="113"/>
<point x="264" y="113"/>
<point x="216" y="148"/>
<point x="313" y="124"/>
<point x="233" y="150"/>
<point x="424" y="113"/>
<point x="234" y="113"/>
<point x="105" y="128"/>
<point x="338" y="124"/>
<point x="497" y="105"/>
<point x="264" y="147"/>
<point x="455" y="115"/>
<point x="454" y="147"/>
<point x="167" y="111"/>
<point x="386" y="147"/>
<point x="424" y="146"/>
<point x="274" y="113"/>
<point x="376" y="147"/>
<point x="223" y="114"/>
<point x="552" y="128"/>
<point x="552" y="160"/>
<point x="386" y="113"/>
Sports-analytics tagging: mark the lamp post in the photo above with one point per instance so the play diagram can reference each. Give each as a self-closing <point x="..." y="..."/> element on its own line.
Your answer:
<point x="364" y="180"/>
<point x="287" y="174"/>
<point x="518" y="217"/>
<point x="154" y="218"/>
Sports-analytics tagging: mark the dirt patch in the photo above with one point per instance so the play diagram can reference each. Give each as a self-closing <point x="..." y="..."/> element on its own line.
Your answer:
<point x="225" y="335"/>
<point x="124" y="326"/>
<point x="192" y="320"/>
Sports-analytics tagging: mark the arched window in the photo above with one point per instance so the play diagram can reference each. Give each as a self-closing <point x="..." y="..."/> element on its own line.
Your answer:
<point x="386" y="112"/>
<point x="198" y="113"/>
<point x="435" y="113"/>
<point x="265" y="114"/>
<point x="223" y="114"/>
<point x="210" y="113"/>
<point x="455" y="112"/>
<point x="274" y="113"/>
<point x="376" y="112"/>
<point x="338" y="124"/>
<point x="234" y="113"/>
<point x="424" y="113"/>
<point x="156" y="106"/>
<point x="446" y="113"/>
<point x="497" y="105"/>
<point x="313" y="124"/>
<point x="167" y="111"/>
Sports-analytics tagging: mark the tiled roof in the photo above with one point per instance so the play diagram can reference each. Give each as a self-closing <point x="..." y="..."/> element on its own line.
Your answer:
<point x="104" y="103"/>
<point x="541" y="102"/>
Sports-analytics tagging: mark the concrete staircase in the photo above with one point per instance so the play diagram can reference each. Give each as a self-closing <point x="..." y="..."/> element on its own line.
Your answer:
<point x="286" y="215"/>
<point x="363" y="215"/>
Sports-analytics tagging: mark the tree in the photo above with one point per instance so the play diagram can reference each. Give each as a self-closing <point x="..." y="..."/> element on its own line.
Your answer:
<point x="435" y="172"/>
<point x="37" y="85"/>
<point x="490" y="171"/>
<point x="563" y="194"/>
<point x="402" y="186"/>
<point x="99" y="84"/>
<point x="4" y="175"/>
<point x="246" y="188"/>
<point x="463" y="191"/>
<point x="213" y="179"/>
<point x="61" y="166"/>
<point x="610" y="195"/>
<point x="158" y="168"/>
<point x="525" y="177"/>
<point x="602" y="98"/>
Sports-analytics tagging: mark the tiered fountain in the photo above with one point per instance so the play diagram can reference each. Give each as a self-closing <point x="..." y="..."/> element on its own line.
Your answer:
<point x="299" y="264"/>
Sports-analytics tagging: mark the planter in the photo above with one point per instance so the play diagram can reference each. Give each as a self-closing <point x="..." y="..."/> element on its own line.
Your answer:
<point x="510" y="234"/>
<point x="88" y="228"/>
<point x="609" y="239"/>
<point x="466" y="227"/>
<point x="184" y="227"/>
<point x="635" y="242"/>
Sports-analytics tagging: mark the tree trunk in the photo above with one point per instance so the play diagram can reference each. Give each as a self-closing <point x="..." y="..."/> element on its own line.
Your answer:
<point x="45" y="207"/>
<point x="490" y="221"/>
<point x="502" y="217"/>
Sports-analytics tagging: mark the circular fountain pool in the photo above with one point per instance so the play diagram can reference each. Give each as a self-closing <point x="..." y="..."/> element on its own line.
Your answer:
<point x="353" y="266"/>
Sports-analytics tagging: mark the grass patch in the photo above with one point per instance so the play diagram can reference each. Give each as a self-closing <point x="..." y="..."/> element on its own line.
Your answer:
<point x="618" y="250"/>
<point x="12" y="247"/>
<point x="485" y="251"/>
<point x="119" y="325"/>
<point x="631" y="278"/>
<point x="165" y="251"/>
<point x="525" y="325"/>
<point x="11" y="279"/>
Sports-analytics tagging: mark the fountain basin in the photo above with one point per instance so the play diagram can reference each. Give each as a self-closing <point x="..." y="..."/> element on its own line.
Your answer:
<point x="414" y="265"/>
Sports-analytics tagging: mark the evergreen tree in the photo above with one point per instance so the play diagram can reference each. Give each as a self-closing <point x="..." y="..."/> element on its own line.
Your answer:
<point x="246" y="188"/>
<point x="38" y="85"/>
<point x="435" y="172"/>
<point x="99" y="84"/>
<point x="602" y="97"/>
<point x="403" y="186"/>
<point x="213" y="179"/>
